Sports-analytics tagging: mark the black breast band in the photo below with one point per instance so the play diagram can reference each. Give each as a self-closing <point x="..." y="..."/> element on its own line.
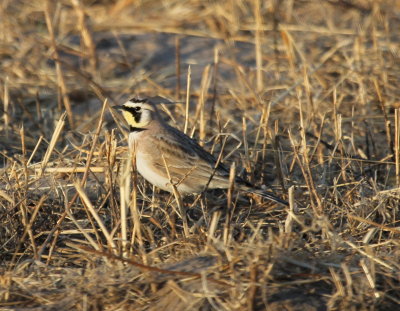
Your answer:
<point x="136" y="129"/>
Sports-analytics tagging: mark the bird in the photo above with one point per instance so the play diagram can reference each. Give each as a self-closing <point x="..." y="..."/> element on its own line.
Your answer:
<point x="167" y="158"/>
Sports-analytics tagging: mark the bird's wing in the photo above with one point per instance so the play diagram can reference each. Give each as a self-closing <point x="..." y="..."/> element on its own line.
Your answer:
<point x="185" y="158"/>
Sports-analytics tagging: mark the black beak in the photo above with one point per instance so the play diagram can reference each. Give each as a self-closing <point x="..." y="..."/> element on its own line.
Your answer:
<point x="118" y="107"/>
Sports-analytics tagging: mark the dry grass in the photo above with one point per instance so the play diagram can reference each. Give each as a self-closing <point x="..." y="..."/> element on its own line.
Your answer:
<point x="301" y="95"/>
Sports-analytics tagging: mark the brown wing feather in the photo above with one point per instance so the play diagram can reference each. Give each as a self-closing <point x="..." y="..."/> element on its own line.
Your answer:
<point x="187" y="160"/>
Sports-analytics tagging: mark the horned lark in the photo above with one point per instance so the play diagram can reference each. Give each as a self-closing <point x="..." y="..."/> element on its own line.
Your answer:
<point x="166" y="156"/>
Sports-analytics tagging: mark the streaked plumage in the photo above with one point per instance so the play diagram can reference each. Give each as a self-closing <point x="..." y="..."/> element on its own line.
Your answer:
<point x="188" y="164"/>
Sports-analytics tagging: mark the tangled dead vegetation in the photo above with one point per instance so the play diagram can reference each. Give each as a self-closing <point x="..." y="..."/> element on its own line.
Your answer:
<point x="303" y="96"/>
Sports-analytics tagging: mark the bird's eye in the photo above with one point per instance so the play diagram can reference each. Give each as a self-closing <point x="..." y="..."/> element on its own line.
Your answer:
<point x="137" y="108"/>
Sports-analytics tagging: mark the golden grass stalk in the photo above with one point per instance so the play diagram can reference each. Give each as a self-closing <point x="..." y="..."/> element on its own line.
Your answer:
<point x="291" y="212"/>
<point x="6" y="103"/>
<point x="229" y="207"/>
<point x="205" y="85"/>
<point x="72" y="170"/>
<point x="305" y="159"/>
<point x="370" y="277"/>
<point x="247" y="161"/>
<point x="178" y="199"/>
<point x="86" y="35"/>
<point x="397" y="144"/>
<point x="95" y="215"/>
<point x="34" y="152"/>
<point x="82" y="182"/>
<point x="394" y="230"/>
<point x="137" y="226"/>
<point x="53" y="141"/>
<point x="213" y="226"/>
<point x="63" y="93"/>
<point x="258" y="44"/>
<point x="28" y="231"/>
<point x="5" y="196"/>
<point x="187" y="103"/>
<point x="125" y="190"/>
<point x="84" y="231"/>
<point x="178" y="67"/>
<point x="372" y="257"/>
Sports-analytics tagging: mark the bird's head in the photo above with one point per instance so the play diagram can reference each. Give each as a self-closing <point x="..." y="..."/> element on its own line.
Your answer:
<point x="138" y="113"/>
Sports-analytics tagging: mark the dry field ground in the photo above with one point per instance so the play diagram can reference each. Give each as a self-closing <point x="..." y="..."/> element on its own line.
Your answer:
<point x="303" y="96"/>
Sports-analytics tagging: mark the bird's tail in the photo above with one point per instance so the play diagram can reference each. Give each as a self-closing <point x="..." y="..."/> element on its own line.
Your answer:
<point x="265" y="194"/>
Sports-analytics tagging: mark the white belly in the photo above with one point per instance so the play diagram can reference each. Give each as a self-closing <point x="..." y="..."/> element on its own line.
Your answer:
<point x="160" y="181"/>
<point x="144" y="166"/>
<point x="145" y="169"/>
